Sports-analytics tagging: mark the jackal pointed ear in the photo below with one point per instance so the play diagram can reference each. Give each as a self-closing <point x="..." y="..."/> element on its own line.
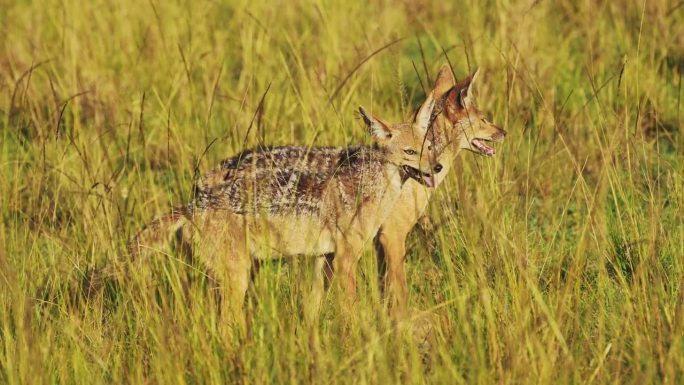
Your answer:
<point x="466" y="92"/>
<point x="377" y="128"/>
<point x="445" y="80"/>
<point x="461" y="95"/>
<point x="424" y="114"/>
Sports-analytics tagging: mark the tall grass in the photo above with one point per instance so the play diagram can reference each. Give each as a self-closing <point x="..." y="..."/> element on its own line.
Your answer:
<point x="558" y="261"/>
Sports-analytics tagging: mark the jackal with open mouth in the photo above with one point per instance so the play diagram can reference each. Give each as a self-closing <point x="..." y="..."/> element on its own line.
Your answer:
<point x="459" y="125"/>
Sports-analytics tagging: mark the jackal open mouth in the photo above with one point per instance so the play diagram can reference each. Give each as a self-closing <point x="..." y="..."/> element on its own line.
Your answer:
<point x="421" y="177"/>
<point x="482" y="148"/>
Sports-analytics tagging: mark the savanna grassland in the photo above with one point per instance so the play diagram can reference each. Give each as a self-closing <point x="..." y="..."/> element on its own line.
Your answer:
<point x="560" y="260"/>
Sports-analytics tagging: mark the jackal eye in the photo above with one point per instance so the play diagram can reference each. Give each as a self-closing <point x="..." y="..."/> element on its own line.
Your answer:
<point x="409" y="151"/>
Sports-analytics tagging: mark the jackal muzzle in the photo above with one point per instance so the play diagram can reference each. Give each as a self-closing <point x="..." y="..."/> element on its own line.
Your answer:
<point x="423" y="178"/>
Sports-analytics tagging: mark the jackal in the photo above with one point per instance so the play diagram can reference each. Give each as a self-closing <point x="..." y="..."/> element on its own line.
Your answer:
<point x="288" y="201"/>
<point x="459" y="125"/>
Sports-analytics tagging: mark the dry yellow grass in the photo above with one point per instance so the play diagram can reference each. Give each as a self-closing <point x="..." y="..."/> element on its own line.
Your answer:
<point x="559" y="261"/>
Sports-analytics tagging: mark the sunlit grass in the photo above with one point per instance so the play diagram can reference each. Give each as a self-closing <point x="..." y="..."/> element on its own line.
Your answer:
<point x="558" y="261"/>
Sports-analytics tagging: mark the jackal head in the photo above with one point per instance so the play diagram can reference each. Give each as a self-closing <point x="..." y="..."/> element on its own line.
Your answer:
<point x="471" y="129"/>
<point x="405" y="144"/>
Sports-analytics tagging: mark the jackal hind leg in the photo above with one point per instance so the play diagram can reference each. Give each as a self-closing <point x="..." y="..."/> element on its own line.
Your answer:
<point x="229" y="264"/>
<point x="323" y="271"/>
<point x="183" y="247"/>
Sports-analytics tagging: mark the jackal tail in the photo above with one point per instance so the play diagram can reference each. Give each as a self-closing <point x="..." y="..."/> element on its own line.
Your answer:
<point x="151" y="237"/>
<point x="156" y="232"/>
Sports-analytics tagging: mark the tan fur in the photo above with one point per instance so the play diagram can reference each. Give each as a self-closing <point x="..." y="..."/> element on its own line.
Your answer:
<point x="289" y="201"/>
<point x="458" y="124"/>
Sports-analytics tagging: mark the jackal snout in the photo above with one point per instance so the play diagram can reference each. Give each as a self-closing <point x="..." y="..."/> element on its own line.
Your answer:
<point x="429" y="166"/>
<point x="499" y="135"/>
<point x="481" y="132"/>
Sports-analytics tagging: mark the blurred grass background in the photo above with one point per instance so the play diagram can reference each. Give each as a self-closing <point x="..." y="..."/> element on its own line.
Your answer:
<point x="558" y="261"/>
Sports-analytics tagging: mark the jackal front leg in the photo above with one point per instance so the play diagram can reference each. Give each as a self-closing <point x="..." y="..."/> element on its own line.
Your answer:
<point x="390" y="247"/>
